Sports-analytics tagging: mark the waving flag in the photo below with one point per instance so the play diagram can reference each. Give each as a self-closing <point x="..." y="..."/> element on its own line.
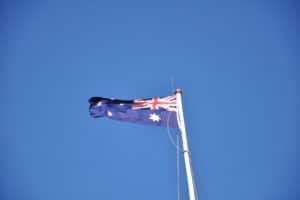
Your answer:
<point x="156" y="111"/>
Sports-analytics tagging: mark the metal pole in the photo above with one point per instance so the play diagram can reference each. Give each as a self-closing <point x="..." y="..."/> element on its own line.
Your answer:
<point x="186" y="152"/>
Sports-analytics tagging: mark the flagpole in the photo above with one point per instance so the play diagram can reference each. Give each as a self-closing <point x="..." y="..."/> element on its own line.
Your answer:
<point x="186" y="152"/>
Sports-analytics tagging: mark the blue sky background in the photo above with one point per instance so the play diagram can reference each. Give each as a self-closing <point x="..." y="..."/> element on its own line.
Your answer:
<point x="235" y="61"/>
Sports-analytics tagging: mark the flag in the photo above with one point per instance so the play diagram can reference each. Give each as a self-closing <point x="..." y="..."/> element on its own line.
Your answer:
<point x="155" y="111"/>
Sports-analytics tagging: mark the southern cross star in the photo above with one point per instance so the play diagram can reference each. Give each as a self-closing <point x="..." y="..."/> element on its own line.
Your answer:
<point x="154" y="117"/>
<point x="109" y="113"/>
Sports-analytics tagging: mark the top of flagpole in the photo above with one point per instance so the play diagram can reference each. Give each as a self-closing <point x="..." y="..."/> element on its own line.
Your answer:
<point x="178" y="90"/>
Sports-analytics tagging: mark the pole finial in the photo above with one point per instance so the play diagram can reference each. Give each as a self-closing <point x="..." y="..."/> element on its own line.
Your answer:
<point x="178" y="91"/>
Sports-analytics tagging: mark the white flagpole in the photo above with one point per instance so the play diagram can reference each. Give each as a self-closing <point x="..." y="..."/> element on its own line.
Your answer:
<point x="186" y="152"/>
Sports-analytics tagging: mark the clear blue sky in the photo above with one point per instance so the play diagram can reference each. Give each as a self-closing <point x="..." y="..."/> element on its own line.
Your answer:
<point x="235" y="61"/>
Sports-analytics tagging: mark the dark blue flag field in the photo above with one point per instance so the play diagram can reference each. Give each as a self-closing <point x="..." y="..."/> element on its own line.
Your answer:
<point x="155" y="111"/>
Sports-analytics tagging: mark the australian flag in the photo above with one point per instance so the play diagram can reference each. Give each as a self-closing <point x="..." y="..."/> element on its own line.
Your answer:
<point x="155" y="111"/>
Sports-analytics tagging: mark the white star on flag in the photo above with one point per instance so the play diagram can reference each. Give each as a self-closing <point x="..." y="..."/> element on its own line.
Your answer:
<point x="154" y="117"/>
<point x="109" y="113"/>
